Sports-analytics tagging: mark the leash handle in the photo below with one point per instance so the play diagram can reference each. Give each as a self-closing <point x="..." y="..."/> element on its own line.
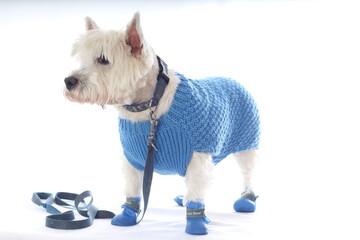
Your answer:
<point x="66" y="220"/>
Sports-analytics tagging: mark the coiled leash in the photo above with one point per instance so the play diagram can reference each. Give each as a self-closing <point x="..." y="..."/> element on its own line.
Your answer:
<point x="66" y="220"/>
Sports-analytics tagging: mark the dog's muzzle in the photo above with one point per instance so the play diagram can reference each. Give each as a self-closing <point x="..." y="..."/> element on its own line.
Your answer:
<point x="71" y="83"/>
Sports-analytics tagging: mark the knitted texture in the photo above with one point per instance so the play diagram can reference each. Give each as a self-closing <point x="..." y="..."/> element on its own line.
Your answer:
<point x="213" y="115"/>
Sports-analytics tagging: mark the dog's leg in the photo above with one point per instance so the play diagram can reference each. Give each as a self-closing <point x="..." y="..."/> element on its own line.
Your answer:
<point x="197" y="179"/>
<point x="246" y="161"/>
<point x="132" y="190"/>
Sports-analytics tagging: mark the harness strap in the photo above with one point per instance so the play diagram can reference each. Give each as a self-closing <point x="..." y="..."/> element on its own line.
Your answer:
<point x="66" y="220"/>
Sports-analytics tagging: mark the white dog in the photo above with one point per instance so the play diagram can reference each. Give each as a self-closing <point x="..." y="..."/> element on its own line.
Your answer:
<point x="199" y="122"/>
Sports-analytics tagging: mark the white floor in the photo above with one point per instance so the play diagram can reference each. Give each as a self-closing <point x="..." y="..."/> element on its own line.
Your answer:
<point x="300" y="59"/>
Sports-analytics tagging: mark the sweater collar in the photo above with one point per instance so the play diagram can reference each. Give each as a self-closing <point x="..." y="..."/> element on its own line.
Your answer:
<point x="162" y="82"/>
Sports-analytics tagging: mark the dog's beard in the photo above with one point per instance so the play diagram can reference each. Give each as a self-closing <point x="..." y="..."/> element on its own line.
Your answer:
<point x="90" y="94"/>
<point x="96" y="88"/>
<point x="88" y="90"/>
<point x="86" y="94"/>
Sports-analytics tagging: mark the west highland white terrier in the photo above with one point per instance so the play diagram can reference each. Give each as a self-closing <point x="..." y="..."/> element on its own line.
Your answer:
<point x="198" y="122"/>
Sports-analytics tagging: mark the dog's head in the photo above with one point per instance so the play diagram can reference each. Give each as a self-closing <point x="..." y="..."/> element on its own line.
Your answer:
<point x="113" y="64"/>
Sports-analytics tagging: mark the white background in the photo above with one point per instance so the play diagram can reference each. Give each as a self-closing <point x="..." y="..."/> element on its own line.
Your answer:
<point x="300" y="60"/>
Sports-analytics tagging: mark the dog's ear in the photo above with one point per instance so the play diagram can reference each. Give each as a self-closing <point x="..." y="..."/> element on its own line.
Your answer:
<point x="134" y="36"/>
<point x="90" y="24"/>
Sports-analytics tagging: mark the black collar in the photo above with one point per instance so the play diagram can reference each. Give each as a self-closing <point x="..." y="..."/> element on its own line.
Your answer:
<point x="162" y="82"/>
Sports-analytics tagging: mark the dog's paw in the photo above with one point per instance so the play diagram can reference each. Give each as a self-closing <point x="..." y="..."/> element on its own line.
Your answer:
<point x="179" y="200"/>
<point x="126" y="218"/>
<point x="246" y="203"/>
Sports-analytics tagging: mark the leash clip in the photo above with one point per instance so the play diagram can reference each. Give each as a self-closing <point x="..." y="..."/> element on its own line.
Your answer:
<point x="154" y="122"/>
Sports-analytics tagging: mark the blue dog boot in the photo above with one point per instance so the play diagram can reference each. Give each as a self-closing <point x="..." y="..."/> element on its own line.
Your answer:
<point x="246" y="203"/>
<point x="179" y="200"/>
<point x="196" y="219"/>
<point x="128" y="216"/>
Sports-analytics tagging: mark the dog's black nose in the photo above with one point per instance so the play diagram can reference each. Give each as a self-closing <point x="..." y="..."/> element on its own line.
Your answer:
<point x="71" y="82"/>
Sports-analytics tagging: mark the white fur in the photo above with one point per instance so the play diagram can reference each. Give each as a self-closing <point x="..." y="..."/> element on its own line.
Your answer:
<point x="131" y="78"/>
<point x="246" y="161"/>
<point x="133" y="179"/>
<point x="198" y="177"/>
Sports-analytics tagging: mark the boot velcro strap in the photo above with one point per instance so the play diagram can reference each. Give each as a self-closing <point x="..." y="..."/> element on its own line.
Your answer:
<point x="133" y="204"/>
<point x="249" y="195"/>
<point x="195" y="213"/>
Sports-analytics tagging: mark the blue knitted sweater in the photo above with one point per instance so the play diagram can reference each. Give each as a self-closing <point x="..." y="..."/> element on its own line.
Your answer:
<point x="213" y="115"/>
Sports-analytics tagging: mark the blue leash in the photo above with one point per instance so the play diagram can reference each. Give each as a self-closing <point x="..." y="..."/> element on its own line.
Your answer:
<point x="66" y="220"/>
<point x="152" y="104"/>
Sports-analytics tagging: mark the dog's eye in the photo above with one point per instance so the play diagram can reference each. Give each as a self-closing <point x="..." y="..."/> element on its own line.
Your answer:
<point x="102" y="60"/>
